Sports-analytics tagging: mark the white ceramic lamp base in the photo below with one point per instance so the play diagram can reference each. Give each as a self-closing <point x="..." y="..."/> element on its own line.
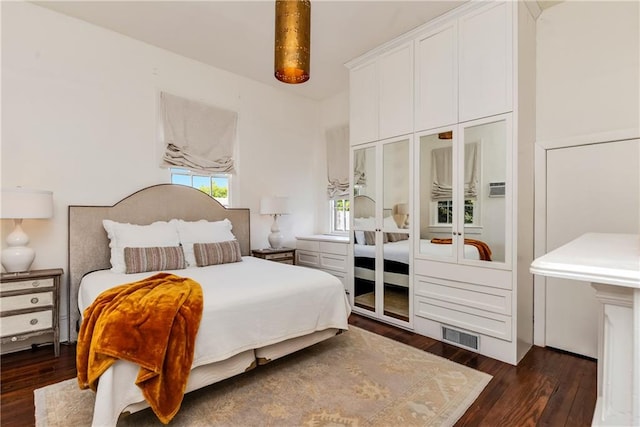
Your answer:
<point x="275" y="238"/>
<point x="17" y="257"/>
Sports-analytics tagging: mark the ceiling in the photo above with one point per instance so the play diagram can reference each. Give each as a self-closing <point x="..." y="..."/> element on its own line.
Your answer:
<point x="237" y="36"/>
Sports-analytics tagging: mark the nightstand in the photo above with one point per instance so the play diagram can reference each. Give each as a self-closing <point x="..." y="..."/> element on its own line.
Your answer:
<point x="29" y="306"/>
<point x="283" y="255"/>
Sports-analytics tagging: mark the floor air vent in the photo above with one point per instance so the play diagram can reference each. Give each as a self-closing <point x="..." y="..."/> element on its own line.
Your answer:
<point x="463" y="339"/>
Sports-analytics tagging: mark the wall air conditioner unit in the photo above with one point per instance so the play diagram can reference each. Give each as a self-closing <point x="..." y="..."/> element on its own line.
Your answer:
<point x="496" y="189"/>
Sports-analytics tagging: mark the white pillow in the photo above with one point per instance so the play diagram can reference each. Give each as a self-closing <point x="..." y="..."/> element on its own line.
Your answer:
<point x="125" y="235"/>
<point x="202" y="231"/>
<point x="368" y="223"/>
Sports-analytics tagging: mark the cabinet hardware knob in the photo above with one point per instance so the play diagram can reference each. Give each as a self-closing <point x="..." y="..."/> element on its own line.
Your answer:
<point x="35" y="283"/>
<point x="34" y="300"/>
<point x="14" y="339"/>
<point x="33" y="321"/>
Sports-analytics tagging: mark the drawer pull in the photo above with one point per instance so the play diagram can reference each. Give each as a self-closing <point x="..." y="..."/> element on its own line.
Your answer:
<point x="14" y="339"/>
<point x="35" y="283"/>
<point x="34" y="300"/>
<point x="34" y="321"/>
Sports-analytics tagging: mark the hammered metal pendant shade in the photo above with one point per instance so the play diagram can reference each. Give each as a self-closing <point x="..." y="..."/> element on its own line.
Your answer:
<point x="292" y="41"/>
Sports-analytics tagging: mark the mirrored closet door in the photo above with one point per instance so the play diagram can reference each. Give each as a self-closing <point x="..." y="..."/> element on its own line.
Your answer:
<point x="382" y="246"/>
<point x="463" y="191"/>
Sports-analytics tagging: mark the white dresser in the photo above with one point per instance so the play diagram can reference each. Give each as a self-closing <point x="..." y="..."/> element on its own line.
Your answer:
<point x="328" y="253"/>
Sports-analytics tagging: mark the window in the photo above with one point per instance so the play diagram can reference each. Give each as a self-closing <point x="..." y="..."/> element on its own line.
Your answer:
<point x="339" y="215"/>
<point x="217" y="185"/>
<point x="445" y="212"/>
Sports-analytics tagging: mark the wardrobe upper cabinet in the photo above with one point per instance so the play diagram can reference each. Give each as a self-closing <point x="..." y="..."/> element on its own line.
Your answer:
<point x="363" y="101"/>
<point x="436" y="78"/>
<point x="485" y="55"/>
<point x="381" y="96"/>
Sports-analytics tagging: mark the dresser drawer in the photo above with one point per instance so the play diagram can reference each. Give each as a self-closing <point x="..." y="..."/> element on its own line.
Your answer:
<point x="21" y="323"/>
<point x="27" y="284"/>
<point x="308" y="245"/>
<point x="333" y="262"/>
<point x="18" y="302"/>
<point x="308" y="259"/>
<point x="334" y="248"/>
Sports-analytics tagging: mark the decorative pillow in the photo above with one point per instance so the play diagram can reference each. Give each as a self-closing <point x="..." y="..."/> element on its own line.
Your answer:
<point x="370" y="238"/>
<point x="396" y="237"/>
<point x="217" y="253"/>
<point x="122" y="235"/>
<point x="139" y="260"/>
<point x="202" y="231"/>
<point x="359" y="237"/>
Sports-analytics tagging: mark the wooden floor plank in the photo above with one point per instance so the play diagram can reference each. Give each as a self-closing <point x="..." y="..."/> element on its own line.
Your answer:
<point x="547" y="388"/>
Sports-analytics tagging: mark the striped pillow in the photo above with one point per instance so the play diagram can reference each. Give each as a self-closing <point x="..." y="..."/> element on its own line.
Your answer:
<point x="397" y="237"/>
<point x="139" y="260"/>
<point x="217" y="253"/>
<point x="370" y="238"/>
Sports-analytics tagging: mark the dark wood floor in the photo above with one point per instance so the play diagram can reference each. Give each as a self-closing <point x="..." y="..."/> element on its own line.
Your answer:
<point x="547" y="388"/>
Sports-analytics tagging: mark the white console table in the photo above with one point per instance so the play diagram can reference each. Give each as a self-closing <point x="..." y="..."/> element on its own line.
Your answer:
<point x="611" y="262"/>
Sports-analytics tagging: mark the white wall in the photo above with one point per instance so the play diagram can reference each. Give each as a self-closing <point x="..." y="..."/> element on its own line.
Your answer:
<point x="79" y="117"/>
<point x="588" y="79"/>
<point x="588" y="92"/>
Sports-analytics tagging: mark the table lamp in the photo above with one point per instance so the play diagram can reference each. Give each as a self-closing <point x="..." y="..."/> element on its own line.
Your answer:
<point x="275" y="206"/>
<point x="18" y="204"/>
<point x="401" y="215"/>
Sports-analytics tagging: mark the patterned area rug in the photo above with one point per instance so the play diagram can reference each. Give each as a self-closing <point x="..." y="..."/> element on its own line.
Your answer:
<point x="354" y="379"/>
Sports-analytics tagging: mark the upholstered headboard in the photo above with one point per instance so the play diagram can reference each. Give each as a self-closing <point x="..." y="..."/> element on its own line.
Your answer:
<point x="89" y="245"/>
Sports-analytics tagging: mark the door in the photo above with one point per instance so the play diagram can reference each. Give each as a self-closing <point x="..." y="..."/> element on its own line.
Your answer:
<point x="382" y="250"/>
<point x="591" y="188"/>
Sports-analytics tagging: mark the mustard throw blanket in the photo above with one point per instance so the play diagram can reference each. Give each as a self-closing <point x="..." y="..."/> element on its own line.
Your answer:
<point x="153" y="323"/>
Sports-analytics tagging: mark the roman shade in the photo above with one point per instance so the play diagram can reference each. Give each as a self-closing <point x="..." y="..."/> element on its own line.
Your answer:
<point x="338" y="161"/>
<point x="197" y="136"/>
<point x="441" y="166"/>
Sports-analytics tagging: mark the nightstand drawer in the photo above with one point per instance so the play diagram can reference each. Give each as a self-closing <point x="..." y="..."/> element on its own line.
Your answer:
<point x="27" y="284"/>
<point x="280" y="256"/>
<point x="28" y="322"/>
<point x="17" y="302"/>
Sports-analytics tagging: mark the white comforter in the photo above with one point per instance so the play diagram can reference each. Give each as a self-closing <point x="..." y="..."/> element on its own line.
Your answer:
<point x="247" y="305"/>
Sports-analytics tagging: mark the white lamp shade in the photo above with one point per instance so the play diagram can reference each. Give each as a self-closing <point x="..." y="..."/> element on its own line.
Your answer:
<point x="23" y="203"/>
<point x="272" y="205"/>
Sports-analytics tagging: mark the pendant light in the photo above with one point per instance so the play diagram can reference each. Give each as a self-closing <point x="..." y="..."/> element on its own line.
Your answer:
<point x="292" y="41"/>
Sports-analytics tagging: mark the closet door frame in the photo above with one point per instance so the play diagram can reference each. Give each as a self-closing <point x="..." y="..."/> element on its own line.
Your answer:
<point x="540" y="216"/>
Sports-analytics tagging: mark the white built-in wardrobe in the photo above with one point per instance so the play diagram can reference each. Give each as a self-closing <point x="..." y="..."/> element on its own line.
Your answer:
<point x="442" y="123"/>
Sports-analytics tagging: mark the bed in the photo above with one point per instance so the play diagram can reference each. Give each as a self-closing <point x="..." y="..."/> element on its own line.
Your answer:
<point x="303" y="306"/>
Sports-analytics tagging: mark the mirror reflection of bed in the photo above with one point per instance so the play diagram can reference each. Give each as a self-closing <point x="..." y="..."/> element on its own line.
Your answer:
<point x="395" y="263"/>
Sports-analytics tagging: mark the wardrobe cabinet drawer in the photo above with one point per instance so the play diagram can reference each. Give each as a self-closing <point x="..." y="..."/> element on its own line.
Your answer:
<point x="482" y="322"/>
<point x="27" y="284"/>
<point x="18" y="302"/>
<point x="11" y="325"/>
<point x="471" y="295"/>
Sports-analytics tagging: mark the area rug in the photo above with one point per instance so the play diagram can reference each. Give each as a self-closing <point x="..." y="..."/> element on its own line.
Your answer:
<point x="357" y="378"/>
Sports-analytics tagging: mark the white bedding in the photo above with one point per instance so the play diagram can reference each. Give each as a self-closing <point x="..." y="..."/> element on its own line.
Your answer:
<point x="247" y="305"/>
<point x="399" y="251"/>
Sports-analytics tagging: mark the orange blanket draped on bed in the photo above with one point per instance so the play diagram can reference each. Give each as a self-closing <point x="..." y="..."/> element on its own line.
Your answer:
<point x="483" y="248"/>
<point x="153" y="323"/>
